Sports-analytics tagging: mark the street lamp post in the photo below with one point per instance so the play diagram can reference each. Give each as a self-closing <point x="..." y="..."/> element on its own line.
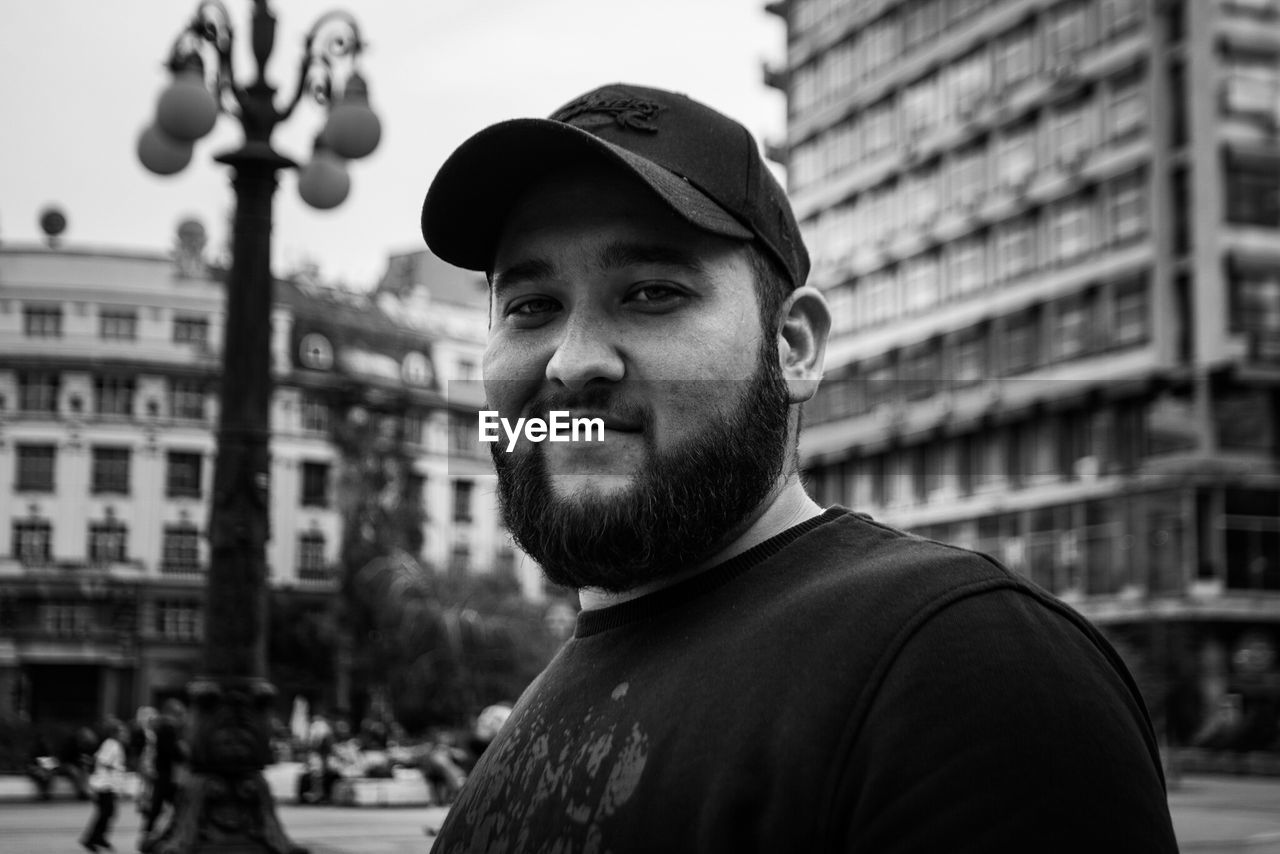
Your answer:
<point x="225" y="806"/>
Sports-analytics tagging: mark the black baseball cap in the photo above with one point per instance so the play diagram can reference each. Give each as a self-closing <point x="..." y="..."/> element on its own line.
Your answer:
<point x="703" y="164"/>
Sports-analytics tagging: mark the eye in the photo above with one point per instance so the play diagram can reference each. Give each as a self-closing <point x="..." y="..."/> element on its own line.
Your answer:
<point x="657" y="295"/>
<point x="531" y="308"/>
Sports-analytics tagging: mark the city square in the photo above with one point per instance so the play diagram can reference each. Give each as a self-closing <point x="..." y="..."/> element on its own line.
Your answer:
<point x="1212" y="815"/>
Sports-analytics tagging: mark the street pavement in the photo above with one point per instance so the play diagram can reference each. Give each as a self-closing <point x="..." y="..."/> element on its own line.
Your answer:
<point x="1210" y="814"/>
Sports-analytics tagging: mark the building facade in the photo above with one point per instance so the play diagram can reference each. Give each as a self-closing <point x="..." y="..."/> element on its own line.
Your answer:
<point x="109" y="370"/>
<point x="1049" y="232"/>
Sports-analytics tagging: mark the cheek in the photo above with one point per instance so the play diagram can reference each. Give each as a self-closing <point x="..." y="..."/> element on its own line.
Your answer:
<point x="511" y="376"/>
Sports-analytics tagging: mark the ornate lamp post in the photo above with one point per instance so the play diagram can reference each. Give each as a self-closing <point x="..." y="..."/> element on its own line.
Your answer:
<point x="226" y="805"/>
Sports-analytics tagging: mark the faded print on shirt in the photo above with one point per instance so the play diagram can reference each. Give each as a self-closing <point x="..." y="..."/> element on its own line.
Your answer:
<point x="551" y="784"/>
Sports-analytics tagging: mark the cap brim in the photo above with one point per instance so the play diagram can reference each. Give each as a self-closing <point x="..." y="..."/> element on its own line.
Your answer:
<point x="474" y="190"/>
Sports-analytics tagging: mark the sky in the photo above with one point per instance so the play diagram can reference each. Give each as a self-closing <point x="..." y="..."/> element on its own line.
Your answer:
<point x="79" y="80"/>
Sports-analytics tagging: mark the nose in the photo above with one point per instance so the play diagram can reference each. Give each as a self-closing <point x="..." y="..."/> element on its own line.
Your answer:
<point x="586" y="352"/>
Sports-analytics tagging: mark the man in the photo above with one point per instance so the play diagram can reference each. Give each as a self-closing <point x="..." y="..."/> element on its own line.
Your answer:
<point x="749" y="672"/>
<point x="168" y="757"/>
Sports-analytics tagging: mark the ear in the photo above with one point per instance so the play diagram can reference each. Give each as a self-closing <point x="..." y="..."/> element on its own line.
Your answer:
<point x="802" y="342"/>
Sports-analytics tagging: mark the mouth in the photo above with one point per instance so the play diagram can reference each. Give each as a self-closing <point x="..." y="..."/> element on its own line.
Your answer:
<point x="611" y="422"/>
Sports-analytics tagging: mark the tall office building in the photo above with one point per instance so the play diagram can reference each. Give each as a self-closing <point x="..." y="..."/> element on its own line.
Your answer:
<point x="109" y="367"/>
<point x="1049" y="232"/>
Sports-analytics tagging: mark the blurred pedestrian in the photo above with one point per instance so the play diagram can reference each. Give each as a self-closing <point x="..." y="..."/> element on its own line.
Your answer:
<point x="142" y="747"/>
<point x="106" y="784"/>
<point x="442" y="768"/>
<point x="315" y="785"/>
<point x="42" y="767"/>
<point x="170" y="758"/>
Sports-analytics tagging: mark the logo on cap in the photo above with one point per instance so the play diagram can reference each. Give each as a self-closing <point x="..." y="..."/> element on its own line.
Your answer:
<point x="599" y="109"/>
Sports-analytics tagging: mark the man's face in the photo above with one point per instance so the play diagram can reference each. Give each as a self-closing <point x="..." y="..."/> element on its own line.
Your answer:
<point x="606" y="304"/>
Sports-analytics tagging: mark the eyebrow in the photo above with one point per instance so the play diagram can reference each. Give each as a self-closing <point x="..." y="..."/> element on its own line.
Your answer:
<point x="630" y="254"/>
<point x="615" y="256"/>
<point x="530" y="270"/>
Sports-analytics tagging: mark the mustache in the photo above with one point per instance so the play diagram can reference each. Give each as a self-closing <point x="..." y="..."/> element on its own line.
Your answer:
<point x="599" y="401"/>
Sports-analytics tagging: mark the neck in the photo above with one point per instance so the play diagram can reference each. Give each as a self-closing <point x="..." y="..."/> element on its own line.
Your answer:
<point x="788" y="505"/>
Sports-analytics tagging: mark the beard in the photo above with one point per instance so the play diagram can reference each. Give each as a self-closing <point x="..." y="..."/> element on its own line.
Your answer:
<point x="681" y="506"/>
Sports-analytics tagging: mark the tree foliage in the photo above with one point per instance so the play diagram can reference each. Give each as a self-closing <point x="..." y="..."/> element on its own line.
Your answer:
<point x="440" y="646"/>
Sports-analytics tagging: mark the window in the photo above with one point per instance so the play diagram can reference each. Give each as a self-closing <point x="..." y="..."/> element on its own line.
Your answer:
<point x="178" y="620"/>
<point x="877" y="128"/>
<point x="1261" y="9"/>
<point x="1071" y="131"/>
<point x="1256" y="302"/>
<point x="42" y="321"/>
<point x="1016" y="157"/>
<point x="1252" y="85"/>
<point x="1119" y="15"/>
<point x="921" y="199"/>
<point x="921" y="23"/>
<point x="186" y="400"/>
<point x="965" y="81"/>
<point x="117" y="324"/>
<point x="968" y="176"/>
<point x="37" y="391"/>
<point x="920" y="107"/>
<point x="110" y="471"/>
<point x="315" y="484"/>
<point x="108" y="542"/>
<point x="182" y="474"/>
<point x="113" y="395"/>
<point x="1126" y="207"/>
<point x="1070" y="329"/>
<point x="65" y="619"/>
<point x="314" y="412"/>
<point x="462" y="435"/>
<point x="969" y="358"/>
<point x="180" y="549"/>
<point x="1126" y="106"/>
<point x="413" y="425"/>
<point x="881" y="382"/>
<point x="987" y="454"/>
<point x="311" y="562"/>
<point x="1069" y="229"/>
<point x="920" y="282"/>
<point x="920" y="371"/>
<point x="32" y="542"/>
<point x="1253" y="192"/>
<point x="1015" y="248"/>
<point x="879" y="296"/>
<point x="188" y="329"/>
<point x="1132" y="314"/>
<point x="967" y="265"/>
<point x="460" y="558"/>
<point x="1014" y="57"/>
<point x="1021" y="338"/>
<point x="462" y="490"/>
<point x="35" y="468"/>
<point x="843" y="308"/>
<point x="1066" y="32"/>
<point x="899" y="482"/>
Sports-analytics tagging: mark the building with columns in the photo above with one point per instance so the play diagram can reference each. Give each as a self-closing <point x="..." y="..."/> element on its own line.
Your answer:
<point x="109" y="369"/>
<point x="1049" y="231"/>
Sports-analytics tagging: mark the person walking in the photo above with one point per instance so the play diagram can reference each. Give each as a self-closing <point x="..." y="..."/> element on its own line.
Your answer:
<point x="106" y="783"/>
<point x="169" y="756"/>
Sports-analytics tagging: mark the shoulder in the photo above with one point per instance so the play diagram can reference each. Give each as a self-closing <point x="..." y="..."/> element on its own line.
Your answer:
<point x="895" y="576"/>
